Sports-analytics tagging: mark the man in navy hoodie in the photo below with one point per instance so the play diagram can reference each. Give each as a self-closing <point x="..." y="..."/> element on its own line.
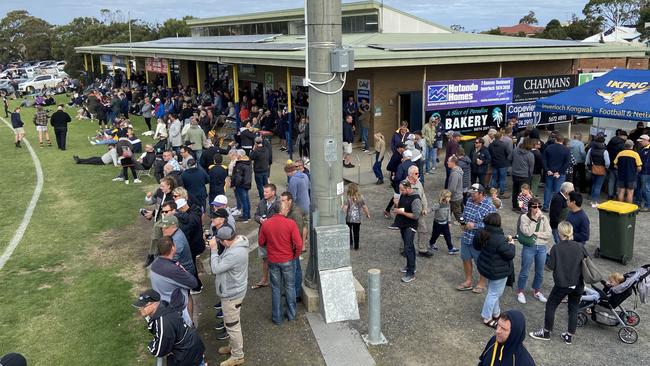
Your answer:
<point x="556" y="159"/>
<point x="506" y="347"/>
<point x="578" y="218"/>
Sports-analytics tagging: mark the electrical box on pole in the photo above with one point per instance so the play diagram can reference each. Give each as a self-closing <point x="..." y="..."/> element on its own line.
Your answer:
<point x="342" y="59"/>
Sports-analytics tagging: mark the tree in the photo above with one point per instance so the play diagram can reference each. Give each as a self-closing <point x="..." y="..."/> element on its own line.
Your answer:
<point x="495" y="31"/>
<point x="614" y="12"/>
<point x="644" y="17"/>
<point x="24" y="37"/>
<point x="554" y="30"/>
<point x="175" y="28"/>
<point x="529" y="18"/>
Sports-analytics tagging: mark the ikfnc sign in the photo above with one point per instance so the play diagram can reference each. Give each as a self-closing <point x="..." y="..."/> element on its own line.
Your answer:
<point x="156" y="65"/>
<point x="453" y="94"/>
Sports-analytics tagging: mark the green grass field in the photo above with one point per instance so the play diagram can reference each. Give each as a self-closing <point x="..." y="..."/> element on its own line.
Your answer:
<point x="67" y="289"/>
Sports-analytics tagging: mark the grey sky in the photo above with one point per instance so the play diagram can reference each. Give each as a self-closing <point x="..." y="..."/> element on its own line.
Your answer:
<point x="472" y="14"/>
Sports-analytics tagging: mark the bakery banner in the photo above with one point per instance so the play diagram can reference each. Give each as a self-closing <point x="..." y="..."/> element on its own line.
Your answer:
<point x="471" y="119"/>
<point x="454" y="94"/>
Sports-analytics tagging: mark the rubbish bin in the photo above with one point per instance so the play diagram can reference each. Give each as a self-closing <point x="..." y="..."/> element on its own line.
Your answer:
<point x="467" y="143"/>
<point x="617" y="224"/>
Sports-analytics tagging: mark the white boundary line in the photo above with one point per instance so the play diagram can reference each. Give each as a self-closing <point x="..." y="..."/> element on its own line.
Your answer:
<point x="9" y="250"/>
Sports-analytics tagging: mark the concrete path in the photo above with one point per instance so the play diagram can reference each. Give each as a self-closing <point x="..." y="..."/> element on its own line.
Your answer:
<point x="339" y="343"/>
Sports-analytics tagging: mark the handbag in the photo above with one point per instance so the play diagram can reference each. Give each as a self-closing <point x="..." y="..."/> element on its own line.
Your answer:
<point x="590" y="273"/>
<point x="525" y="240"/>
<point x="598" y="170"/>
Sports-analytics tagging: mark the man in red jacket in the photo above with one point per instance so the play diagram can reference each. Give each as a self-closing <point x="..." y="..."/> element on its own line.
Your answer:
<point x="282" y="240"/>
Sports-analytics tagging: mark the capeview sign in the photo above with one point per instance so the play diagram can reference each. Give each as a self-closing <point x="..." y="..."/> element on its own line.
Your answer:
<point x="452" y="94"/>
<point x="472" y="119"/>
<point x="156" y="65"/>
<point x="526" y="115"/>
<point x="529" y="89"/>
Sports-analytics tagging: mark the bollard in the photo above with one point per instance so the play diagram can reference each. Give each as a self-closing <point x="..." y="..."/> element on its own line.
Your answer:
<point x="374" y="337"/>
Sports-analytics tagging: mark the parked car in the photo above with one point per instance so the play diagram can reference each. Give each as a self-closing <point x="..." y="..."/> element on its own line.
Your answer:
<point x="61" y="65"/>
<point x="39" y="82"/>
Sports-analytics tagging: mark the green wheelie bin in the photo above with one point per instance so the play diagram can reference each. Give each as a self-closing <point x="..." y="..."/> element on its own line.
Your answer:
<point x="617" y="224"/>
<point x="467" y="143"/>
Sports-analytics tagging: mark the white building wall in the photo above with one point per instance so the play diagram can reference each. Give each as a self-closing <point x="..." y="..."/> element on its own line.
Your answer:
<point x="395" y="22"/>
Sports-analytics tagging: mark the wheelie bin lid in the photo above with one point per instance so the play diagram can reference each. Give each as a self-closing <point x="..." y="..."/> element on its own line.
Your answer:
<point x="618" y="207"/>
<point x="467" y="138"/>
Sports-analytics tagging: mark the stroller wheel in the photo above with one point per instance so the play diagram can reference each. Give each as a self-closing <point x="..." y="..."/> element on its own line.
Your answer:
<point x="630" y="318"/>
<point x="628" y="335"/>
<point x="582" y="319"/>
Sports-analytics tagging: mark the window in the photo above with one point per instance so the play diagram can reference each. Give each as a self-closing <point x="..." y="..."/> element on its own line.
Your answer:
<point x="360" y="24"/>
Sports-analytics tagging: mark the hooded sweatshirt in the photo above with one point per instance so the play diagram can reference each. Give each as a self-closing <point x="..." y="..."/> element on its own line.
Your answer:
<point x="231" y="269"/>
<point x="456" y="183"/>
<point x="512" y="352"/>
<point x="172" y="337"/>
<point x="523" y="163"/>
<point x="299" y="188"/>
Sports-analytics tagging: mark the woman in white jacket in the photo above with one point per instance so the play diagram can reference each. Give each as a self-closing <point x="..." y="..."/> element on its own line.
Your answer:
<point x="533" y="232"/>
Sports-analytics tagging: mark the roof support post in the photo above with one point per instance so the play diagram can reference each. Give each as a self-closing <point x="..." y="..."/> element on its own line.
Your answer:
<point x="235" y="82"/>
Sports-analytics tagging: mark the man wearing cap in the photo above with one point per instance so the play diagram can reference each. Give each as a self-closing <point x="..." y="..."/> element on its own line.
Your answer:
<point x="167" y="275"/>
<point x="231" y="270"/>
<point x="408" y="208"/>
<point x="643" y="190"/>
<point x="423" y="228"/>
<point x="268" y="206"/>
<point x="221" y="202"/>
<point x="59" y="121"/>
<point x="194" y="180"/>
<point x="429" y="134"/>
<point x="172" y="337"/>
<point x="298" y="186"/>
<point x="261" y="157"/>
<point x="477" y="207"/>
<point x="169" y="227"/>
<point x="628" y="164"/>
<point x="452" y="148"/>
<point x="190" y="223"/>
<point x="480" y="159"/>
<point x="280" y="236"/>
<point x="40" y="120"/>
<point x="392" y="166"/>
<point x="348" y="139"/>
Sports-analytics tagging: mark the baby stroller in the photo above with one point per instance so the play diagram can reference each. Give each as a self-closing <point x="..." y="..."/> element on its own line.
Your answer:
<point x="608" y="309"/>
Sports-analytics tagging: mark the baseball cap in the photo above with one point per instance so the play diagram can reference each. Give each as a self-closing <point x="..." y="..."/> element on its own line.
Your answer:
<point x="407" y="154"/>
<point x="456" y="133"/>
<point x="258" y="140"/>
<point x="191" y="162"/>
<point x="476" y="187"/>
<point x="644" y="137"/>
<point x="146" y="297"/>
<point x="167" y="221"/>
<point x="434" y="116"/>
<point x="225" y="232"/>
<point x="220" y="200"/>
<point x="181" y="202"/>
<point x="13" y="359"/>
<point x="220" y="213"/>
<point x="406" y="183"/>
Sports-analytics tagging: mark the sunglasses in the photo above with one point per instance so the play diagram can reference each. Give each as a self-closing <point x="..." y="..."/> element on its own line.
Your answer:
<point x="416" y="173"/>
<point x="535" y="206"/>
<point x="167" y="211"/>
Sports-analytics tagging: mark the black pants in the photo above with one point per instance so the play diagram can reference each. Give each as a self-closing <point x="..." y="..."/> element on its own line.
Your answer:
<point x="125" y="172"/>
<point x="579" y="178"/>
<point x="396" y="190"/>
<point x="516" y="188"/>
<point x="478" y="178"/>
<point x="555" y="298"/>
<point x="148" y="122"/>
<point x="95" y="160"/>
<point x="441" y="229"/>
<point x="60" y="137"/>
<point x="303" y="148"/>
<point x="354" y="234"/>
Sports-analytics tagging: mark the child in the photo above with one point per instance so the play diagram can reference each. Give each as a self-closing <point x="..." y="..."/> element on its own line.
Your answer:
<point x="441" y="219"/>
<point x="496" y="201"/>
<point x="613" y="280"/>
<point x="380" y="151"/>
<point x="524" y="196"/>
<point x="352" y="207"/>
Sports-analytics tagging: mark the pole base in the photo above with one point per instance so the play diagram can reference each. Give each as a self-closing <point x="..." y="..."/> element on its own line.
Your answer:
<point x="382" y="340"/>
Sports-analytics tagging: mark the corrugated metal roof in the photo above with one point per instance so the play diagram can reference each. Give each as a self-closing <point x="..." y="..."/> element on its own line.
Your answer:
<point x="435" y="46"/>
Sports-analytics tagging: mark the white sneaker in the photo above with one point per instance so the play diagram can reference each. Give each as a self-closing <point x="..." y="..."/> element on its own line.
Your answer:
<point x="540" y="296"/>
<point x="126" y="182"/>
<point x="137" y="181"/>
<point x="118" y="179"/>
<point x="521" y="297"/>
<point x="594" y="204"/>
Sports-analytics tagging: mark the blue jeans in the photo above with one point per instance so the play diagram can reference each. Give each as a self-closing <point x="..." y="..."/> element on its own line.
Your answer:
<point x="376" y="168"/>
<point x="499" y="178"/>
<point x="298" y="276"/>
<point x="242" y="197"/>
<point x="491" y="304"/>
<point x="282" y="276"/>
<point x="596" y="186"/>
<point x="364" y="137"/>
<point x="642" y="191"/>
<point x="261" y="179"/>
<point x="529" y="255"/>
<point x="430" y="160"/>
<point x="408" y="235"/>
<point x="556" y="236"/>
<point x="551" y="186"/>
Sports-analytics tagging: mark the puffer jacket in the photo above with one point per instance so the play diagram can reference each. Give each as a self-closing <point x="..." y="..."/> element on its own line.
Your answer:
<point x="495" y="260"/>
<point x="242" y="175"/>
